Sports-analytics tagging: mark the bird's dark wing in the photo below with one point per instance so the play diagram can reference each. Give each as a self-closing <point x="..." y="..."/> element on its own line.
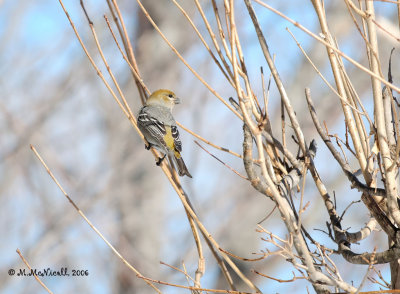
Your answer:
<point x="177" y="140"/>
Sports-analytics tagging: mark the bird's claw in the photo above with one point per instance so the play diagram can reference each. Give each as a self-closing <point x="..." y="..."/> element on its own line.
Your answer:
<point x="160" y="160"/>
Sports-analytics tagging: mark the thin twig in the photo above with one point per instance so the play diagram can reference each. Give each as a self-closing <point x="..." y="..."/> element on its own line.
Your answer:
<point x="192" y="288"/>
<point x="177" y="269"/>
<point x="247" y="259"/>
<point x="87" y="220"/>
<point x="228" y="166"/>
<point x="133" y="70"/>
<point x="392" y="86"/>
<point x="32" y="271"/>
<point x="279" y="280"/>
<point x="203" y="41"/>
<point x="210" y="143"/>
<point x="266" y="217"/>
<point x="185" y="62"/>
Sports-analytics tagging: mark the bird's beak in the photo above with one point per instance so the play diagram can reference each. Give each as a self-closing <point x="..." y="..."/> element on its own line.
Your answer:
<point x="177" y="100"/>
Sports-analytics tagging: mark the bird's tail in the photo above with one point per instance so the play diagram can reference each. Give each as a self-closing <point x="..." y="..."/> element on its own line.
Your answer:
<point x="179" y="165"/>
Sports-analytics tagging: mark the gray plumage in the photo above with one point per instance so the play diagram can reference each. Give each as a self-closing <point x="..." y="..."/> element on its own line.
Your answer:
<point x="159" y="128"/>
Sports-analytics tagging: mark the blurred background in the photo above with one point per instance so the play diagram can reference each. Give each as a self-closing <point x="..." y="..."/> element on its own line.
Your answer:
<point x="52" y="98"/>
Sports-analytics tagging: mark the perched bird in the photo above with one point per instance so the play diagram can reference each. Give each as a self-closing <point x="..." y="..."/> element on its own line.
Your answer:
<point x="158" y="126"/>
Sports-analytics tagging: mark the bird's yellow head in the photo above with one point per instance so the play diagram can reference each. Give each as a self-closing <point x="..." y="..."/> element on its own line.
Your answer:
<point x="163" y="97"/>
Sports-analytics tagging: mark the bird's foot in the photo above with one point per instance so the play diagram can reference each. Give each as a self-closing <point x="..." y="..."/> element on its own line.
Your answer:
<point x="147" y="147"/>
<point x="160" y="160"/>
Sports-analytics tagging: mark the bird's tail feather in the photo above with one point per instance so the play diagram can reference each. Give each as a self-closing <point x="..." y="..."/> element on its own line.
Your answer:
<point x="179" y="165"/>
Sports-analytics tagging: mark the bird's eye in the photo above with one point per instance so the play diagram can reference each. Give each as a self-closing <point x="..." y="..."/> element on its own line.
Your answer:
<point x="170" y="96"/>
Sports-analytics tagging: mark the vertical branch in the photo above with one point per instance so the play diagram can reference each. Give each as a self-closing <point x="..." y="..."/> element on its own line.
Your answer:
<point x="215" y="43"/>
<point x="333" y="57"/>
<point x="337" y="51"/>
<point x="283" y="124"/>
<point x="121" y="94"/>
<point x="381" y="136"/>
<point x="244" y="102"/>
<point x="222" y="35"/>
<point x="127" y="44"/>
<point x="398" y="13"/>
<point x="275" y="74"/>
<point x="184" y="61"/>
<point x="133" y="70"/>
<point x="266" y="186"/>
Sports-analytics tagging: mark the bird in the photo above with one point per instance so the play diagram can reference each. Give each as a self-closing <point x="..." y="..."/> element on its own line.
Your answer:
<point x="159" y="128"/>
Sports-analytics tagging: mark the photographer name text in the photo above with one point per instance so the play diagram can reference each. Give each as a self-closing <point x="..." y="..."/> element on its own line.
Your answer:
<point x="48" y="272"/>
